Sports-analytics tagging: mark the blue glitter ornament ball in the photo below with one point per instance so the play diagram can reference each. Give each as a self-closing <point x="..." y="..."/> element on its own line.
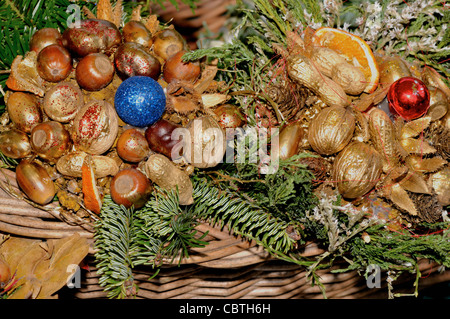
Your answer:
<point x="140" y="101"/>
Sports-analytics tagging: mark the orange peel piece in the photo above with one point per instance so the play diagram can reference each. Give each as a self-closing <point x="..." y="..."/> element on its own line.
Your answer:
<point x="354" y="49"/>
<point x="92" y="199"/>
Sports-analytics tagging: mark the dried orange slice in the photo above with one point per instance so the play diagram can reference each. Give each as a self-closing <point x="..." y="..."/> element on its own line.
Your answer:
<point x="354" y="49"/>
<point x="92" y="200"/>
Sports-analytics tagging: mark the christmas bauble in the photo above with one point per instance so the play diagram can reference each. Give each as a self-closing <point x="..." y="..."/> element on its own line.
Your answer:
<point x="140" y="101"/>
<point x="408" y="98"/>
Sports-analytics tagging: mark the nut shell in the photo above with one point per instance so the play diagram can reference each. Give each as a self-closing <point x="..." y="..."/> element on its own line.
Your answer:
<point x="63" y="101"/>
<point x="95" y="127"/>
<point x="356" y="169"/>
<point x="207" y="142"/>
<point x="71" y="163"/>
<point x="161" y="171"/>
<point x="331" y="130"/>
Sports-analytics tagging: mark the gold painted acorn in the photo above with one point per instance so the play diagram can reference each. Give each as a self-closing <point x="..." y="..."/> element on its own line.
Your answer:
<point x="289" y="140"/>
<point x="331" y="130"/>
<point x="356" y="170"/>
<point x="15" y="144"/>
<point x="441" y="185"/>
<point x="23" y="110"/>
<point x="50" y="140"/>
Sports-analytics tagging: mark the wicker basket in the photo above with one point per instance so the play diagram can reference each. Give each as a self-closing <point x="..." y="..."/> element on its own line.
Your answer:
<point x="228" y="267"/>
<point x="209" y="13"/>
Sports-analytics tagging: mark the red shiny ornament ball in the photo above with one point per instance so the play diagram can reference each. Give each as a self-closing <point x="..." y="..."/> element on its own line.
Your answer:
<point x="408" y="98"/>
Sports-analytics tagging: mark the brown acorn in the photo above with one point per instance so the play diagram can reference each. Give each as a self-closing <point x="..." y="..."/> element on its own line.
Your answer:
<point x="176" y="69"/>
<point x="54" y="63"/>
<point x="132" y="59"/>
<point x="132" y="146"/>
<point x="136" y="32"/>
<point x="130" y="187"/>
<point x="45" y="37"/>
<point x="94" y="72"/>
<point x="35" y="181"/>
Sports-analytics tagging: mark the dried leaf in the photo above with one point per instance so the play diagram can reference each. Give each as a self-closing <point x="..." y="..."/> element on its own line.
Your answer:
<point x="415" y="183"/>
<point x="401" y="199"/>
<point x="104" y="10"/>
<point x="417" y="146"/>
<point x="136" y="13"/>
<point x="117" y="13"/>
<point x="414" y="128"/>
<point x="152" y="24"/>
<point x="24" y="75"/>
<point x="425" y="165"/>
<point x="88" y="13"/>
<point x="213" y="99"/>
<point x="41" y="267"/>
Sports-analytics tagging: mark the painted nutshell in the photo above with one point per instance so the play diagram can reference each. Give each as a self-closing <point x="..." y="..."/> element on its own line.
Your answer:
<point x="132" y="59"/>
<point x="331" y="130"/>
<point x="95" y="127"/>
<point x="62" y="102"/>
<point x="140" y="101"/>
<point x="92" y="36"/>
<point x="356" y="170"/>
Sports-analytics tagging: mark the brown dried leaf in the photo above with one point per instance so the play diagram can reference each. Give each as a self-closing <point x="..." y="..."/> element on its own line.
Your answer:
<point x="414" y="128"/>
<point x="414" y="182"/>
<point x="104" y="10"/>
<point x="88" y="13"/>
<point x="24" y="75"/>
<point x="152" y="24"/>
<point x="117" y="13"/>
<point x="136" y="13"/>
<point x="417" y="146"/>
<point x="401" y="199"/>
<point x="425" y="165"/>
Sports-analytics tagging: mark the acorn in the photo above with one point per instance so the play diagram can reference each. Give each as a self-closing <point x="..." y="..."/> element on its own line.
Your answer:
<point x="23" y="109"/>
<point x="92" y="36"/>
<point x="95" y="127"/>
<point x="45" y="37"/>
<point x="130" y="187"/>
<point x="136" y="32"/>
<point x="15" y="144"/>
<point x="159" y="137"/>
<point x="63" y="101"/>
<point x="289" y="140"/>
<point x="94" y="72"/>
<point x="167" y="43"/>
<point x="132" y="59"/>
<point x="35" y="181"/>
<point x="50" y="140"/>
<point x="132" y="146"/>
<point x="54" y="63"/>
<point x="176" y="69"/>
